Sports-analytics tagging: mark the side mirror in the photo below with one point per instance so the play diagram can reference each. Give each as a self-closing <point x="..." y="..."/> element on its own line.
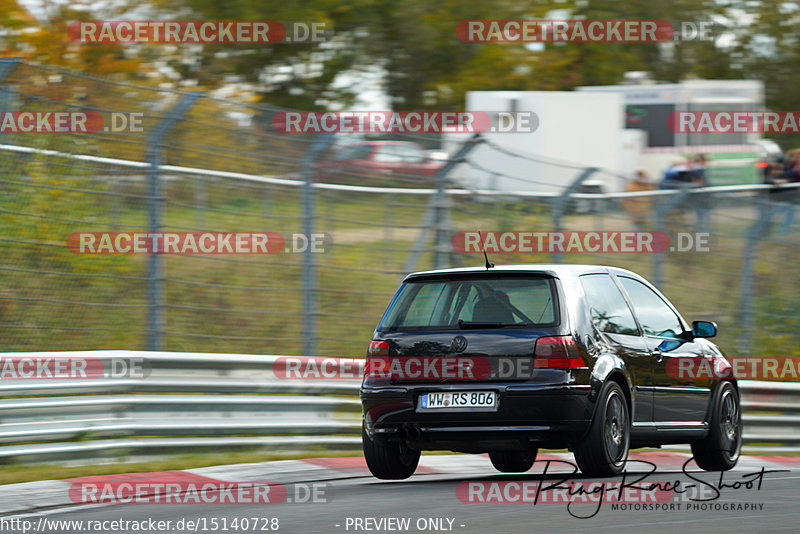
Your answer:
<point x="704" y="329"/>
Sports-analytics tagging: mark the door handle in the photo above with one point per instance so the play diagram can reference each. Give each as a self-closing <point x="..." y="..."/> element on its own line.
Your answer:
<point x="658" y="354"/>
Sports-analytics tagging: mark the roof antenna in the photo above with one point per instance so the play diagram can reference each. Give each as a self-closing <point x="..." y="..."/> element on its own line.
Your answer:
<point x="489" y="264"/>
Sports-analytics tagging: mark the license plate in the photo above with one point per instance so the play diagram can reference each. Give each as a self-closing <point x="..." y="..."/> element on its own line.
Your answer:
<point x="448" y="400"/>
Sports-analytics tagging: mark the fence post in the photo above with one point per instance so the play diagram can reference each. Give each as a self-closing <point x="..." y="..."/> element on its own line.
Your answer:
<point x="200" y="202"/>
<point x="114" y="202"/>
<point x="266" y="200"/>
<point x="7" y="64"/>
<point x="309" y="266"/>
<point x="756" y="231"/>
<point x="436" y="215"/>
<point x="443" y="226"/>
<point x="662" y="211"/>
<point x="388" y="231"/>
<point x="155" y="275"/>
<point x="330" y="211"/>
<point x="559" y="203"/>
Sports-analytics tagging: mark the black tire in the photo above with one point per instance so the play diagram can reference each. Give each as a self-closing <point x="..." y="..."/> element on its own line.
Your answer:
<point x="513" y="461"/>
<point x="604" y="449"/>
<point x="388" y="460"/>
<point x="719" y="451"/>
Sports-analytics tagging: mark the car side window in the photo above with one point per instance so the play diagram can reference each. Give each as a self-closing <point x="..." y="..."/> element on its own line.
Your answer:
<point x="353" y="152"/>
<point x="411" y="154"/>
<point x="656" y="317"/>
<point x="388" y="154"/>
<point x="610" y="312"/>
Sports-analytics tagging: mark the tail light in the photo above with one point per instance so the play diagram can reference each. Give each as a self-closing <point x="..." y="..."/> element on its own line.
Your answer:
<point x="762" y="164"/>
<point x="557" y="352"/>
<point x="376" y="350"/>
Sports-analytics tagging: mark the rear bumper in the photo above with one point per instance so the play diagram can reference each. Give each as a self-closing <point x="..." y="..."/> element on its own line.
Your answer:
<point x="549" y="416"/>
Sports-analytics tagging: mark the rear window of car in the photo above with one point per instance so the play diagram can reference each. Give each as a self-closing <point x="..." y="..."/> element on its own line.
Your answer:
<point x="485" y="302"/>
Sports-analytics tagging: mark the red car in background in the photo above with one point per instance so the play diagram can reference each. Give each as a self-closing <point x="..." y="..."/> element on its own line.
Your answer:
<point x="396" y="159"/>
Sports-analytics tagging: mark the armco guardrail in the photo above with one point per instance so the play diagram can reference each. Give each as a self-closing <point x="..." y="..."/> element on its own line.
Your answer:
<point x="133" y="401"/>
<point x="192" y="400"/>
<point x="771" y="412"/>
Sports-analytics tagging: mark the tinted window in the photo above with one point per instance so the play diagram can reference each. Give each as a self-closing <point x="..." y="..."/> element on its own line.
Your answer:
<point x="610" y="312"/>
<point x="656" y="317"/>
<point x="462" y="306"/>
<point x="507" y="301"/>
<point x="421" y="309"/>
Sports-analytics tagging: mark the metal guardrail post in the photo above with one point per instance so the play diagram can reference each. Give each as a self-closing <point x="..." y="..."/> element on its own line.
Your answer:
<point x="155" y="275"/>
<point x="559" y="203"/>
<point x="755" y="231"/>
<point x="437" y="215"/>
<point x="309" y="266"/>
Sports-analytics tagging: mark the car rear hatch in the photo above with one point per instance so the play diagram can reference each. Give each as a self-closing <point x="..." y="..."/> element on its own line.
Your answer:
<point x="467" y="327"/>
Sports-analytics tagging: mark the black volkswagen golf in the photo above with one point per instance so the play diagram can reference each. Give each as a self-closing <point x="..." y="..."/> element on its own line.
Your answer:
<point x="511" y="359"/>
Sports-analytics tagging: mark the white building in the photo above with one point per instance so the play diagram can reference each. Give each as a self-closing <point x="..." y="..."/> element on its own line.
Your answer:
<point x="619" y="128"/>
<point x="647" y="107"/>
<point x="574" y="130"/>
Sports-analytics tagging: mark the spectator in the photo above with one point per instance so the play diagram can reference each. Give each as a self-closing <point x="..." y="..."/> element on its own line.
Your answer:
<point x="691" y="174"/>
<point x="697" y="170"/>
<point x="680" y="173"/>
<point x="671" y="175"/>
<point x="792" y="166"/>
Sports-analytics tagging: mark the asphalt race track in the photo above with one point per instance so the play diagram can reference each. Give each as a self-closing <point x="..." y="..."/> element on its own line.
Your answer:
<point x="349" y="500"/>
